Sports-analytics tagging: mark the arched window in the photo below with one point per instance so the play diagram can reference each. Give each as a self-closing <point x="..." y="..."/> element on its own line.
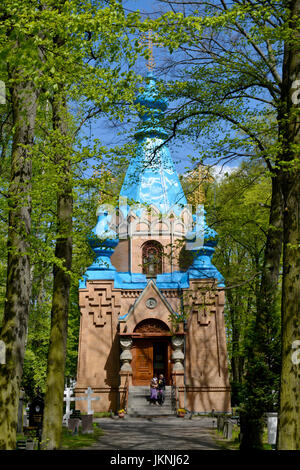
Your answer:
<point x="152" y="258"/>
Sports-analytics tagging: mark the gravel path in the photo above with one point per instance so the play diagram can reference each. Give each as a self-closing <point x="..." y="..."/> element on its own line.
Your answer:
<point x="170" y="433"/>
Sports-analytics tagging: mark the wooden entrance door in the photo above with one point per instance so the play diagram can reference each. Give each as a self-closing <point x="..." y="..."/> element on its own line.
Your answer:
<point x="150" y="355"/>
<point x="143" y="363"/>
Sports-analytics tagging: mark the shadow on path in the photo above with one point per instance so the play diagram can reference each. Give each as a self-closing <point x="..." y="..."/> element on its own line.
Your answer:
<point x="170" y="433"/>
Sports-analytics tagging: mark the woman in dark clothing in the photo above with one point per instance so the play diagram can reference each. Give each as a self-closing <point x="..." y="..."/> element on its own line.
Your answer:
<point x="161" y="389"/>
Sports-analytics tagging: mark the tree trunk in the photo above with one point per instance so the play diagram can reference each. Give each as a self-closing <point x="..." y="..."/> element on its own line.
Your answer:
<point x="267" y="328"/>
<point x="261" y="376"/>
<point x="18" y="285"/>
<point x="53" y="411"/>
<point x="289" y="418"/>
<point x="234" y="308"/>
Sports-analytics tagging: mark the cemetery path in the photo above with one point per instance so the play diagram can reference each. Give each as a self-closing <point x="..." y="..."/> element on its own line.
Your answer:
<point x="156" y="433"/>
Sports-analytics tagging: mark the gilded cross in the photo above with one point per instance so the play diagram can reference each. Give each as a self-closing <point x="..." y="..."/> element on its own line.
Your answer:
<point x="201" y="173"/>
<point x="149" y="40"/>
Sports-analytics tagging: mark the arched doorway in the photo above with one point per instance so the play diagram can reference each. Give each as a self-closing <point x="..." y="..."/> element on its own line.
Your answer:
<point x="151" y="351"/>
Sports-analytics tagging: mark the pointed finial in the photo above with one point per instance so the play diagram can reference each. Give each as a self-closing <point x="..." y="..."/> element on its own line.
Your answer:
<point x="149" y="40"/>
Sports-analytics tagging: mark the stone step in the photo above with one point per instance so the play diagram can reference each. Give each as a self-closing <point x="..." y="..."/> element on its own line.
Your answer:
<point x="139" y="405"/>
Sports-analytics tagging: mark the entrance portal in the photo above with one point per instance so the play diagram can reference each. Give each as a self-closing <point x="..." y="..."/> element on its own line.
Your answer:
<point x="151" y="351"/>
<point x="150" y="356"/>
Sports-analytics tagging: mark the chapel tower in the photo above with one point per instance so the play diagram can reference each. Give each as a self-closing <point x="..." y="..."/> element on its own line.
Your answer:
<point x="142" y="310"/>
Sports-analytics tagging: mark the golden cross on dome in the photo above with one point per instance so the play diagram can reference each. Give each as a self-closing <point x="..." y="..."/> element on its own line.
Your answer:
<point x="149" y="40"/>
<point x="201" y="174"/>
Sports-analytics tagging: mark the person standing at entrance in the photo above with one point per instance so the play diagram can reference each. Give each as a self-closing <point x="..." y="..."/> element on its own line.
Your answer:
<point x="161" y="389"/>
<point x="153" y="390"/>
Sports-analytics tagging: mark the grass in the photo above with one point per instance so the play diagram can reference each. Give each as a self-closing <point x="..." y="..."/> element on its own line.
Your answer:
<point x="234" y="443"/>
<point x="75" y="441"/>
<point x="225" y="444"/>
<point x="103" y="414"/>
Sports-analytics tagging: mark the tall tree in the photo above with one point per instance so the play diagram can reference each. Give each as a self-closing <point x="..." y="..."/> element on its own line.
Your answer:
<point x="53" y="412"/>
<point x="24" y="98"/>
<point x="289" y="417"/>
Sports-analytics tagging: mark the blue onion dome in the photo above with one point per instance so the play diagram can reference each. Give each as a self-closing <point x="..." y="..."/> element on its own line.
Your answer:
<point x="151" y="99"/>
<point x="102" y="234"/>
<point x="202" y="231"/>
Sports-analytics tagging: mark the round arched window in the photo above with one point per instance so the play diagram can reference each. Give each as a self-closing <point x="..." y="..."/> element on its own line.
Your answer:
<point x="152" y="258"/>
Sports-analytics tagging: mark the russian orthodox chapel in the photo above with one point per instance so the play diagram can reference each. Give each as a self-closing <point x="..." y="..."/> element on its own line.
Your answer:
<point x="144" y="309"/>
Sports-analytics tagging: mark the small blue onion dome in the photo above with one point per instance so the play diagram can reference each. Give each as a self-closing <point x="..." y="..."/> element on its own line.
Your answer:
<point x="151" y="99"/>
<point x="202" y="230"/>
<point x="102" y="234"/>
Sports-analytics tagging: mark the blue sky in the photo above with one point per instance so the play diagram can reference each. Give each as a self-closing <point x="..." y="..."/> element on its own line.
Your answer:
<point x="110" y="135"/>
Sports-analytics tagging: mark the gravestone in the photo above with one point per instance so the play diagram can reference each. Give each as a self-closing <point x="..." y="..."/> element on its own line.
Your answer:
<point x="87" y="424"/>
<point x="74" y="421"/>
<point x="36" y="410"/>
<point x="272" y="419"/>
<point x="227" y="429"/>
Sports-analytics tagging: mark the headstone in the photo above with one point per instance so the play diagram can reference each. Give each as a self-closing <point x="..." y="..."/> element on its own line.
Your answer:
<point x="74" y="421"/>
<point x="272" y="419"/>
<point x="87" y="424"/>
<point x="36" y="410"/>
<point x="227" y="430"/>
<point x="73" y="425"/>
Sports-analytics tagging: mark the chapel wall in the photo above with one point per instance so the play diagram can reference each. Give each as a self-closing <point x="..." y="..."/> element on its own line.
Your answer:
<point x="206" y="368"/>
<point x="99" y="350"/>
<point x="120" y="258"/>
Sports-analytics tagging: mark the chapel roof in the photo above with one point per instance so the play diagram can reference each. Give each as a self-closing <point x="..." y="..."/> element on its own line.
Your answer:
<point x="151" y="177"/>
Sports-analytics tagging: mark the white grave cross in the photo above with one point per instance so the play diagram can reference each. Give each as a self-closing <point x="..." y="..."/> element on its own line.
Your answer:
<point x="68" y="398"/>
<point x="89" y="398"/>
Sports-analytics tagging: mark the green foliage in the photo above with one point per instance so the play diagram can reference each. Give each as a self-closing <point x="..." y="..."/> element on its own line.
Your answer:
<point x="238" y="210"/>
<point x="84" y="48"/>
<point x="76" y="441"/>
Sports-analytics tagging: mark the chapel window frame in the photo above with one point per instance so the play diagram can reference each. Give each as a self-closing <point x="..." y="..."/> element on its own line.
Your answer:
<point x="152" y="247"/>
